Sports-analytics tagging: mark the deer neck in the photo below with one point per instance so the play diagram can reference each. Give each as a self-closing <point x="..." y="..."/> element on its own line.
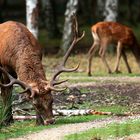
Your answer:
<point x="30" y="69"/>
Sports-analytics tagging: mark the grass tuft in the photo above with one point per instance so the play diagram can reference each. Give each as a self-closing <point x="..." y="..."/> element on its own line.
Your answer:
<point x="111" y="131"/>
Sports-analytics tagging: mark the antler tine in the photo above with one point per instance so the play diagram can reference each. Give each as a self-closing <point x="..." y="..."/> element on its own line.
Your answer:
<point x="75" y="26"/>
<point x="76" y="38"/>
<point x="16" y="81"/>
<point x="75" y="29"/>
<point x="9" y="76"/>
<point x="61" y="67"/>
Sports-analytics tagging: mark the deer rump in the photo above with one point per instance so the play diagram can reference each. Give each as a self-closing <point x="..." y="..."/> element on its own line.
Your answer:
<point x="20" y="60"/>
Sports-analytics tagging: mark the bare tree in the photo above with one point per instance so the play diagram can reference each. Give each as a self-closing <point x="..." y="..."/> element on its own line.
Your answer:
<point x="110" y="14"/>
<point x="111" y="10"/>
<point x="32" y="16"/>
<point x="67" y="31"/>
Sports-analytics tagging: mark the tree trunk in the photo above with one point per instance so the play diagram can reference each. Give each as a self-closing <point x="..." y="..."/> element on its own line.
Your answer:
<point x="67" y="31"/>
<point x="50" y="18"/>
<point x="32" y="16"/>
<point x="111" y="13"/>
<point x="111" y="10"/>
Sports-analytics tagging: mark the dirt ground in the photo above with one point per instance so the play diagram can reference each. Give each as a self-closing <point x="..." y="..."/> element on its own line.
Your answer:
<point x="123" y="91"/>
<point x="106" y="91"/>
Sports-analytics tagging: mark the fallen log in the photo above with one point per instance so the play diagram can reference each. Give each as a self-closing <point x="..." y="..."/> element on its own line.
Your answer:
<point x="24" y="117"/>
<point x="76" y="112"/>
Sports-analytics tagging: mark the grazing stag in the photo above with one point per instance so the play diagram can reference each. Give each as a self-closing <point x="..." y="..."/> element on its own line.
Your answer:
<point x="105" y="33"/>
<point x="20" y="60"/>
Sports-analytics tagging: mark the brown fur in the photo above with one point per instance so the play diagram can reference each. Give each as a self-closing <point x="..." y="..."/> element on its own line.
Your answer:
<point x="105" y="33"/>
<point x="20" y="55"/>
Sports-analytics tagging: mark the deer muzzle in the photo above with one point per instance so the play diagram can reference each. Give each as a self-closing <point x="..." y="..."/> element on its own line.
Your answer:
<point x="49" y="121"/>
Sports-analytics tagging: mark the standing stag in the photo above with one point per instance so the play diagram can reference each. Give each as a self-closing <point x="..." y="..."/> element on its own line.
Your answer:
<point x="105" y="33"/>
<point x="20" y="60"/>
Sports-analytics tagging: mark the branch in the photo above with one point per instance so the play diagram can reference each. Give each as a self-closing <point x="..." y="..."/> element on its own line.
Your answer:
<point x="76" y="112"/>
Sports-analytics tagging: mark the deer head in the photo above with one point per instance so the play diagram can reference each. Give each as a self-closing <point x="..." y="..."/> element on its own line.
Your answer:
<point x="40" y="93"/>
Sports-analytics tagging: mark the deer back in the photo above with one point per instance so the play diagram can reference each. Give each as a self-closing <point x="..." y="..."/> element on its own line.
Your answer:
<point x="16" y="42"/>
<point x="19" y="50"/>
<point x="114" y="32"/>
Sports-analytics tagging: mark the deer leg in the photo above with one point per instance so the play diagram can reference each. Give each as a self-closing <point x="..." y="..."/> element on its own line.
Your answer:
<point x="126" y="62"/>
<point x="102" y="55"/>
<point x="119" y="52"/>
<point x="90" y="54"/>
<point x="39" y="120"/>
<point x="6" y="94"/>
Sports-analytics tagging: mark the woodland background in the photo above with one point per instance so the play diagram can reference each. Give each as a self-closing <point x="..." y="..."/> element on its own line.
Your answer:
<point x="52" y="16"/>
<point x="115" y="93"/>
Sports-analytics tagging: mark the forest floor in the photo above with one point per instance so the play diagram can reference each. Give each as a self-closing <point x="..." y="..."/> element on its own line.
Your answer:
<point x="103" y="91"/>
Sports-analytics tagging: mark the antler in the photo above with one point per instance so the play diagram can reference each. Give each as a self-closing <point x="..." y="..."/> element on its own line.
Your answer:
<point x="61" y="67"/>
<point x="16" y="81"/>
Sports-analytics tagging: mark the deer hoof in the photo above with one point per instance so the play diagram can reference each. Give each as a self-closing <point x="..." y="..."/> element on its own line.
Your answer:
<point x="110" y="72"/>
<point x="117" y="72"/>
<point x="89" y="74"/>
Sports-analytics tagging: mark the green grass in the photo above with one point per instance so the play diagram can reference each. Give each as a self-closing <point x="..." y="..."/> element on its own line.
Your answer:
<point x="79" y="119"/>
<point x="25" y="127"/>
<point x="113" y="109"/>
<point x="83" y="78"/>
<point x="98" y="68"/>
<point x="4" y="109"/>
<point x="19" y="128"/>
<point x="108" y="132"/>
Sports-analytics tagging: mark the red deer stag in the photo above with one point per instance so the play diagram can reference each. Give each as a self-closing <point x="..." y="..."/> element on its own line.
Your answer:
<point x="20" y="60"/>
<point x="105" y="33"/>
